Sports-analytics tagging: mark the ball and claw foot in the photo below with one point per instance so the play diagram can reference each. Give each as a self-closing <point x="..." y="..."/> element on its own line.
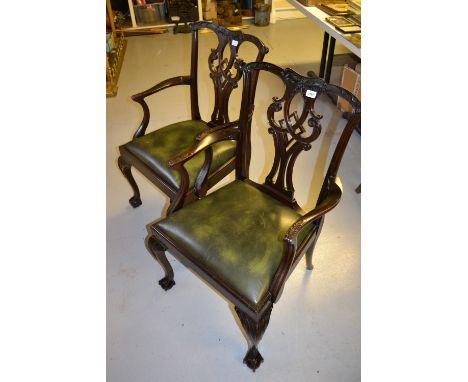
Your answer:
<point x="253" y="359"/>
<point x="134" y="201"/>
<point x="166" y="284"/>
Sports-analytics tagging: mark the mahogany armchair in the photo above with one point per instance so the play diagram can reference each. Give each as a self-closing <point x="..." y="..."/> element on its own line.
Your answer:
<point x="246" y="238"/>
<point x="150" y="152"/>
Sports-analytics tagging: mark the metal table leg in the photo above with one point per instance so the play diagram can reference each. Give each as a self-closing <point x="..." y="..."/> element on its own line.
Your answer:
<point x="328" y="48"/>
<point x="331" y="52"/>
<point x="323" y="60"/>
<point x="326" y="37"/>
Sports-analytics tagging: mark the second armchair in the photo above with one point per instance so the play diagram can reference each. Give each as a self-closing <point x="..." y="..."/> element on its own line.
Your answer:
<point x="150" y="152"/>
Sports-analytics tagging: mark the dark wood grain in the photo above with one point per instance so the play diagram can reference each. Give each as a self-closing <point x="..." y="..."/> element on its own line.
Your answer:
<point x="293" y="133"/>
<point x="225" y="75"/>
<point x="255" y="330"/>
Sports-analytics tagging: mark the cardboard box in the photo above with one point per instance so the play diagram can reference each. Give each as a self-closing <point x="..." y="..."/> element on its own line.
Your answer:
<point x="351" y="81"/>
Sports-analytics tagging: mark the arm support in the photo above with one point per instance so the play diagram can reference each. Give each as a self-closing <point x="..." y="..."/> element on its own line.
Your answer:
<point x="200" y="182"/>
<point x="200" y="187"/>
<point x="330" y="201"/>
<point x="205" y="140"/>
<point x="140" y="98"/>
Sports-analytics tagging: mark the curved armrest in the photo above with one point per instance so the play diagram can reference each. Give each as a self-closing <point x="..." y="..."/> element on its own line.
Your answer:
<point x="332" y="198"/>
<point x="205" y="140"/>
<point x="140" y="98"/>
<point x="330" y="201"/>
<point x="200" y="187"/>
<point x="174" y="81"/>
<point x="212" y="130"/>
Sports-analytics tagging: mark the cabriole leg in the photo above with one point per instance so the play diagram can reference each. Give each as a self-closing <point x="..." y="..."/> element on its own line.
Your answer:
<point x="126" y="169"/>
<point x="310" y="251"/>
<point x="255" y="330"/>
<point x="157" y="251"/>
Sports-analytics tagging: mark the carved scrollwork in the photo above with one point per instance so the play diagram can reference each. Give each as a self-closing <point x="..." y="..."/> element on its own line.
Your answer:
<point x="226" y="72"/>
<point x="223" y="67"/>
<point x="255" y="331"/>
<point x="289" y="134"/>
<point x="292" y="131"/>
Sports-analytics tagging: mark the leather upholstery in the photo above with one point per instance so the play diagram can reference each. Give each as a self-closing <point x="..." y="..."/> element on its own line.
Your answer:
<point x="155" y="149"/>
<point x="236" y="233"/>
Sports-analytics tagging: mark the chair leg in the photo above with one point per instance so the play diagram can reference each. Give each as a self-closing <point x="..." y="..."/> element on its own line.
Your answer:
<point x="255" y="330"/>
<point x="310" y="250"/>
<point x="157" y="251"/>
<point x="126" y="169"/>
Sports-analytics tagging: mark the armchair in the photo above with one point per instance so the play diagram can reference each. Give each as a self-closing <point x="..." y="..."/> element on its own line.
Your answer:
<point x="150" y="152"/>
<point x="246" y="238"/>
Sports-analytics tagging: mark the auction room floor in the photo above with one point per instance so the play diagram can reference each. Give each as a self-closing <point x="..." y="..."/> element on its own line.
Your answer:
<point x="189" y="333"/>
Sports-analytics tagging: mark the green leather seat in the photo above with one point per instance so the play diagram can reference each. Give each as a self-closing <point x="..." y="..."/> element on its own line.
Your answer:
<point x="236" y="233"/>
<point x="157" y="148"/>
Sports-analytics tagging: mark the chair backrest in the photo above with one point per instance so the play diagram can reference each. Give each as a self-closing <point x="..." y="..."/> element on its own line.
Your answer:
<point x="292" y="132"/>
<point x="224" y="71"/>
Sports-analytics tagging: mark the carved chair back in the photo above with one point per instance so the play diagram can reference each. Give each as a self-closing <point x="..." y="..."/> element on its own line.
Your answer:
<point x="224" y="71"/>
<point x="292" y="131"/>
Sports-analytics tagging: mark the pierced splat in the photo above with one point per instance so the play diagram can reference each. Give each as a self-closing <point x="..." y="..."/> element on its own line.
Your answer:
<point x="225" y="72"/>
<point x="298" y="130"/>
<point x="293" y="131"/>
<point x="290" y="137"/>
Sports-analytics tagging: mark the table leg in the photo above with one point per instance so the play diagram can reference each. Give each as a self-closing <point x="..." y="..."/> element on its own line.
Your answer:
<point x="328" y="48"/>
<point x="326" y="37"/>
<point x="323" y="60"/>
<point x="331" y="52"/>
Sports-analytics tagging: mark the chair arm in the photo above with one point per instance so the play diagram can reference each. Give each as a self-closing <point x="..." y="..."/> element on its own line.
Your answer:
<point x="201" y="187"/>
<point x="174" y="81"/>
<point x="211" y="130"/>
<point x="140" y="98"/>
<point x="204" y="141"/>
<point x="226" y="125"/>
<point x="330" y="201"/>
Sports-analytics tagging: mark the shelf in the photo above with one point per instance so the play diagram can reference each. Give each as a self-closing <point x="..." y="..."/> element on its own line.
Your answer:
<point x="135" y="25"/>
<point x="162" y="25"/>
<point x="167" y="25"/>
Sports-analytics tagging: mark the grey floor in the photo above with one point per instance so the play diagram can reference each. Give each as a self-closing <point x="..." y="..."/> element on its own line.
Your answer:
<point x="189" y="333"/>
